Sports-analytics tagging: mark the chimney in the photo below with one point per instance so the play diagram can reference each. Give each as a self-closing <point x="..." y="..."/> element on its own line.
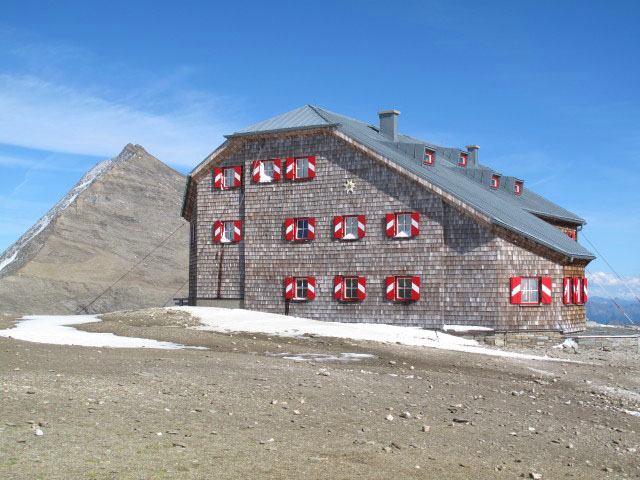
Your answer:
<point x="389" y="124"/>
<point x="473" y="154"/>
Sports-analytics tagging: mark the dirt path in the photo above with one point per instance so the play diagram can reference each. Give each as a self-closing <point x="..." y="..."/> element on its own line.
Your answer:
<point x="241" y="410"/>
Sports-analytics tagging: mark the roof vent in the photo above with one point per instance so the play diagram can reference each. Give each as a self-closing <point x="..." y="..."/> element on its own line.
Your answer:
<point x="473" y="154"/>
<point x="389" y="124"/>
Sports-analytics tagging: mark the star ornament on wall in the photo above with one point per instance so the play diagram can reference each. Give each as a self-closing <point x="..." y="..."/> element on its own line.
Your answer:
<point x="349" y="186"/>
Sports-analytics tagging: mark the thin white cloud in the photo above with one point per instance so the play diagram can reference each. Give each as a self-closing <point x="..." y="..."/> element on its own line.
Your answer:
<point x="606" y="284"/>
<point x="47" y="116"/>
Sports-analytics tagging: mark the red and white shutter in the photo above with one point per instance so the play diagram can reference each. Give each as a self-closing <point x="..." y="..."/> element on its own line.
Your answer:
<point x="577" y="290"/>
<point x="415" y="288"/>
<point x="312" y="228"/>
<point x="237" y="230"/>
<point x="289" y="229"/>
<point x="515" y="290"/>
<point x="362" y="226"/>
<point x="415" y="224"/>
<point x="391" y="288"/>
<point x="362" y="288"/>
<point x="566" y="291"/>
<point x="391" y="224"/>
<point x="217" y="178"/>
<point x="255" y="171"/>
<point x="338" y="287"/>
<point x="311" y="288"/>
<point x="545" y="290"/>
<point x="217" y="231"/>
<point x="290" y="172"/>
<point x="585" y="291"/>
<point x="338" y="227"/>
<point x="277" y="173"/>
<point x="288" y="288"/>
<point x="237" y="177"/>
<point x="312" y="167"/>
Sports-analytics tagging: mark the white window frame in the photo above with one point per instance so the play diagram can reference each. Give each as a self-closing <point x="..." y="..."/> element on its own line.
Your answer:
<point x="350" y="283"/>
<point x="408" y="288"/>
<point x="304" y="287"/>
<point x="517" y="189"/>
<point x="427" y="159"/>
<point x="407" y="217"/>
<point x="224" y="177"/>
<point x="304" y="167"/>
<point x="264" y="176"/>
<point x="350" y="227"/>
<point x="228" y="231"/>
<point x="495" y="181"/>
<point x="296" y="236"/>
<point x="530" y="290"/>
<point x="462" y="161"/>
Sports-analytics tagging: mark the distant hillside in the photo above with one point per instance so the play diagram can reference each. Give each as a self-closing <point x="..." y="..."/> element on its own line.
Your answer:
<point x="116" y="235"/>
<point x="602" y="310"/>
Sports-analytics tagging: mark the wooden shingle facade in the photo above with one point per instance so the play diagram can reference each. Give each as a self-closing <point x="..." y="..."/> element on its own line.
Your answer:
<point x="462" y="258"/>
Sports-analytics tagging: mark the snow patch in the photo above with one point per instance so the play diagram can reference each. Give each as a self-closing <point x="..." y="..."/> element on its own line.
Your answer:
<point x="323" y="357"/>
<point x="91" y="176"/>
<point x="568" y="344"/>
<point x="55" y="330"/>
<point x="238" y="320"/>
<point x="631" y="412"/>
<point x="465" y="328"/>
<point x="8" y="260"/>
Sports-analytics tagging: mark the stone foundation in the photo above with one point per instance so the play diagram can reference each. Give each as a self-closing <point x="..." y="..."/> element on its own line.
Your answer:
<point x="625" y="343"/>
<point x="519" y="339"/>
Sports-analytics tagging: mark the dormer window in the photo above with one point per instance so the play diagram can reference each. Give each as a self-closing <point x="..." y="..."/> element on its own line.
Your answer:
<point x="517" y="189"/>
<point x="462" y="161"/>
<point x="429" y="156"/>
<point x="495" y="181"/>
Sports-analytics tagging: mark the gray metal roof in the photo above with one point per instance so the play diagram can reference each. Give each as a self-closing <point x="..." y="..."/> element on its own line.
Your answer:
<point x="502" y="206"/>
<point x="303" y="117"/>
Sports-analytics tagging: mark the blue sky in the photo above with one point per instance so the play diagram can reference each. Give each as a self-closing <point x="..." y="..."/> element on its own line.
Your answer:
<point x="549" y="90"/>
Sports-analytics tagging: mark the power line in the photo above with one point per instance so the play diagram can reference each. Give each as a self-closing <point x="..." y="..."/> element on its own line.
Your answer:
<point x="130" y="270"/>
<point x="612" y="269"/>
<point x="610" y="297"/>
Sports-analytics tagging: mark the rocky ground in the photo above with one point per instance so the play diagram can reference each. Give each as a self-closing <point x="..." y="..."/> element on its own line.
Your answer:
<point x="240" y="409"/>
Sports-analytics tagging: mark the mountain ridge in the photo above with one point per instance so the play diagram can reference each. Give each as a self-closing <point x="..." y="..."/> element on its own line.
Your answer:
<point x="114" y="241"/>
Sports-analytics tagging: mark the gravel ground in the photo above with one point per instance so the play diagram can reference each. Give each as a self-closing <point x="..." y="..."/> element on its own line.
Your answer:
<point x="239" y="409"/>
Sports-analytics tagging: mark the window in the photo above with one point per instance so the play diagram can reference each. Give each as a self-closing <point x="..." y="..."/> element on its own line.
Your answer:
<point x="192" y="233"/>
<point x="350" y="227"/>
<point x="495" y="181"/>
<point x="462" y="161"/>
<point x="350" y="288"/>
<point x="572" y="235"/>
<point x="302" y="289"/>
<point x="530" y="290"/>
<point x="302" y="229"/>
<point x="403" y="225"/>
<point x="517" y="189"/>
<point x="229" y="177"/>
<point x="302" y="167"/>
<point x="299" y="168"/>
<point x="227" y="231"/>
<point x="403" y="288"/>
<point x="265" y="171"/>
<point x="428" y="157"/>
